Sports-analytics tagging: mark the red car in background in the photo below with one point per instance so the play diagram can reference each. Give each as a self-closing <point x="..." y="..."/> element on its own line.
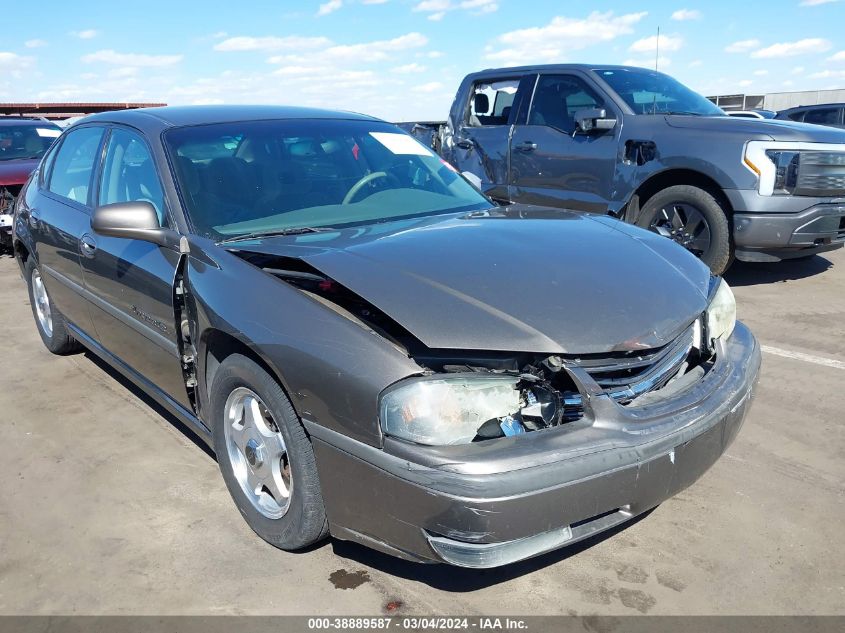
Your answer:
<point x="22" y="144"/>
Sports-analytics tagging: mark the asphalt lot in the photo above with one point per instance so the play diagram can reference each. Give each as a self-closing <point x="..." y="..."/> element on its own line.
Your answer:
<point x="108" y="507"/>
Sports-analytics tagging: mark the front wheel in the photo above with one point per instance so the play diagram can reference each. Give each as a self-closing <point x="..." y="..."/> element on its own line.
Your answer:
<point x="693" y="218"/>
<point x="265" y="456"/>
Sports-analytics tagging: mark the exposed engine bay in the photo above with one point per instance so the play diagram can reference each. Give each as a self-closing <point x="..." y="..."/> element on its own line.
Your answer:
<point x="549" y="393"/>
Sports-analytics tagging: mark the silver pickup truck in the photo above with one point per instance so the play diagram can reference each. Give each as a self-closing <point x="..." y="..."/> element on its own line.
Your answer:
<point x="639" y="145"/>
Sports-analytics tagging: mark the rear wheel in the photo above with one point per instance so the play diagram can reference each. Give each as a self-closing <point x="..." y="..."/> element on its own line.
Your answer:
<point x="694" y="219"/>
<point x="49" y="320"/>
<point x="265" y="456"/>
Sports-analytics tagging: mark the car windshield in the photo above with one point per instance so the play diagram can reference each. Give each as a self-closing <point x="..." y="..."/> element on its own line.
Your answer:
<point x="19" y="141"/>
<point x="243" y="178"/>
<point x="651" y="92"/>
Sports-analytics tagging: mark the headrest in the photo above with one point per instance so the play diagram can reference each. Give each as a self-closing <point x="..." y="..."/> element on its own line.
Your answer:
<point x="480" y="103"/>
<point x="188" y="172"/>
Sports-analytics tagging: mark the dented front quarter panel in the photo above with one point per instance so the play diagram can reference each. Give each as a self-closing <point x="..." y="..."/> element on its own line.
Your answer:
<point x="332" y="368"/>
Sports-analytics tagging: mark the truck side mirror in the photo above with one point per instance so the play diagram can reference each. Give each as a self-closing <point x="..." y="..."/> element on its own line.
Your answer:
<point x="593" y="120"/>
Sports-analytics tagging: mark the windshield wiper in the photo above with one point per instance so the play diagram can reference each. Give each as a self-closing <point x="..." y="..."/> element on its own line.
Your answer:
<point x="296" y="230"/>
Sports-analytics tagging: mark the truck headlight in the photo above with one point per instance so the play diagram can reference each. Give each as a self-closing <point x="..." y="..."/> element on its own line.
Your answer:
<point x="721" y="313"/>
<point x="446" y="410"/>
<point x="786" y="164"/>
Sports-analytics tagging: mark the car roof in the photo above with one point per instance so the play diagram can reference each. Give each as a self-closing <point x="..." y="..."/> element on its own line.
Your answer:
<point x="152" y="119"/>
<point x="555" y="68"/>
<point x="814" y="106"/>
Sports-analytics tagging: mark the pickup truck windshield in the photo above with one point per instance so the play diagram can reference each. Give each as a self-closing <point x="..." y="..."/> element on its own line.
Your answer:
<point x="253" y="177"/>
<point x="651" y="92"/>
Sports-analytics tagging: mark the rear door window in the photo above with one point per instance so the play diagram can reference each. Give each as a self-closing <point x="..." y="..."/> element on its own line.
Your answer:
<point x="491" y="102"/>
<point x="74" y="164"/>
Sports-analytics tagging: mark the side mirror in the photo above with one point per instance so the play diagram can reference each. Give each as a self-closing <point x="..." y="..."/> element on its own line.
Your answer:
<point x="132" y="221"/>
<point x="593" y="119"/>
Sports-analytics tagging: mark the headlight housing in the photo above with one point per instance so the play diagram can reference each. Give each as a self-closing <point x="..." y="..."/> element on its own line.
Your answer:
<point x="787" y="163"/>
<point x="446" y="409"/>
<point x="721" y="313"/>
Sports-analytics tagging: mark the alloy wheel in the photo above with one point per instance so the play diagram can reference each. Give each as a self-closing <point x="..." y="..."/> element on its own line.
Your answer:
<point x="42" y="304"/>
<point x="257" y="453"/>
<point x="684" y="224"/>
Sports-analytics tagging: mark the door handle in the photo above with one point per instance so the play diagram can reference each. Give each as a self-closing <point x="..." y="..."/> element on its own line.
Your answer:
<point x="87" y="245"/>
<point x="464" y="143"/>
<point x="34" y="217"/>
<point x="527" y="146"/>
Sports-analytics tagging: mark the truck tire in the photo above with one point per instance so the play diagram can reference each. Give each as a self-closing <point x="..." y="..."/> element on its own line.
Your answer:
<point x="693" y="218"/>
<point x="49" y="321"/>
<point x="265" y="456"/>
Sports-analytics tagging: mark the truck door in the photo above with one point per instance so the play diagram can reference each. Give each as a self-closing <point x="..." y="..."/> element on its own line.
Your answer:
<point x="131" y="281"/>
<point x="480" y="142"/>
<point x="551" y="164"/>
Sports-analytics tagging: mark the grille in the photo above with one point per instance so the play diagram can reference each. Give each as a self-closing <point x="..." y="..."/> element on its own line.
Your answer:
<point x="821" y="174"/>
<point x="626" y="376"/>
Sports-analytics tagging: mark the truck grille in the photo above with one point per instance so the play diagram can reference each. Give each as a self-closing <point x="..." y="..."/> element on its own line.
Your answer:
<point x="632" y="374"/>
<point x="821" y="174"/>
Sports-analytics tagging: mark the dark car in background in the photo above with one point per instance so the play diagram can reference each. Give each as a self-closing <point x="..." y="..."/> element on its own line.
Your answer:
<point x="372" y="348"/>
<point x="832" y="114"/>
<point x="23" y="142"/>
<point x="639" y="145"/>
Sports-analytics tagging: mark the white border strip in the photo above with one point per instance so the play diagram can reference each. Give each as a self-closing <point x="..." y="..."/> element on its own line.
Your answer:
<point x="807" y="358"/>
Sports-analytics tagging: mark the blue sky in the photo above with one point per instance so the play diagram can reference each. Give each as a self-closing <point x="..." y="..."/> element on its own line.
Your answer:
<point x="398" y="59"/>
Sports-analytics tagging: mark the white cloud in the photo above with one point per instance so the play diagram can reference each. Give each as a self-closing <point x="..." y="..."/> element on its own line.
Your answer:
<point x="432" y="86"/>
<point x="35" y="43"/>
<point x="761" y="73"/>
<point x="815" y="3"/>
<point x="829" y="74"/>
<point x="366" y="52"/>
<point x="797" y="70"/>
<point x="790" y="49"/>
<point x="87" y="34"/>
<point x="329" y="7"/>
<point x="788" y="83"/>
<point x="837" y="57"/>
<point x="695" y="63"/>
<point x="14" y="63"/>
<point x="742" y="46"/>
<point x="645" y="62"/>
<point x="123" y="71"/>
<point x="374" y="1"/>
<point x="131" y="59"/>
<point x="682" y="15"/>
<point x="293" y="42"/>
<point x="563" y="35"/>
<point x="649" y="44"/>
<point x="438" y="8"/>
<point x="413" y="67"/>
<point x="745" y="83"/>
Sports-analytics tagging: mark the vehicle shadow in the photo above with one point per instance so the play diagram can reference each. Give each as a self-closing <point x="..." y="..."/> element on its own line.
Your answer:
<point x="460" y="580"/>
<point x="752" y="273"/>
<point x="148" y="401"/>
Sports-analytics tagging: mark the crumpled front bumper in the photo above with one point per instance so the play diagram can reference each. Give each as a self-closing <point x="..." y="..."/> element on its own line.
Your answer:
<point x="492" y="503"/>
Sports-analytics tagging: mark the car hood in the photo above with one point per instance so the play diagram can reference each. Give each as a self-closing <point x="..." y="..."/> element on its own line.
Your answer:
<point x="773" y="129"/>
<point x="520" y="279"/>
<point x="15" y="172"/>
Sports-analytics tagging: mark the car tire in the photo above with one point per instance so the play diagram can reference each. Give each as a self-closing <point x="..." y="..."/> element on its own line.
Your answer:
<point x="246" y="456"/>
<point x="50" y="322"/>
<point x="668" y="212"/>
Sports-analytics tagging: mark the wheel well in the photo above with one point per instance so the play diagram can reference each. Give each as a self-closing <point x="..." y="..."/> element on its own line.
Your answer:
<point x="673" y="177"/>
<point x="219" y="346"/>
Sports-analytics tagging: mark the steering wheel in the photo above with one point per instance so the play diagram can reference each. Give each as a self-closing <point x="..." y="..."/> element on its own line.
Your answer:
<point x="367" y="179"/>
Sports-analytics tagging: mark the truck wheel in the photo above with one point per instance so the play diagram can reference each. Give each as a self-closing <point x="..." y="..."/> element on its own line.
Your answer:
<point x="48" y="319"/>
<point x="694" y="219"/>
<point x="265" y="456"/>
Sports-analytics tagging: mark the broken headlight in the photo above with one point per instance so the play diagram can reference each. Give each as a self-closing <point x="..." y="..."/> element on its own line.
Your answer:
<point x="721" y="313"/>
<point x="447" y="409"/>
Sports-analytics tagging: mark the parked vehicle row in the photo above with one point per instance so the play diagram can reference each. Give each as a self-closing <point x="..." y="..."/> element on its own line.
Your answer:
<point x="370" y="345"/>
<point x="638" y="145"/>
